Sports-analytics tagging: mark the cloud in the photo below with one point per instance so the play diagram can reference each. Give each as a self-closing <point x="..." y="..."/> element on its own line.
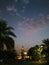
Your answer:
<point x="10" y="8"/>
<point x="0" y="10"/>
<point x="15" y="0"/>
<point x="13" y="11"/>
<point x="26" y="1"/>
<point x="31" y="24"/>
<point x="1" y="13"/>
<point x="16" y="14"/>
<point x="23" y="9"/>
<point x="19" y="15"/>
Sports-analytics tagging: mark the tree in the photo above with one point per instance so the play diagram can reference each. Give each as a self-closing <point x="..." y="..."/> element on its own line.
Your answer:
<point x="46" y="49"/>
<point x="6" y="39"/>
<point x="6" y="36"/>
<point x="35" y="52"/>
<point x="9" y="55"/>
<point x="31" y="53"/>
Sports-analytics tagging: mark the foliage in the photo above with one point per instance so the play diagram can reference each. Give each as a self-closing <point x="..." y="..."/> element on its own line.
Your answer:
<point x="35" y="52"/>
<point x="6" y="35"/>
<point x="6" y="39"/>
<point x="18" y="62"/>
<point x="46" y="49"/>
<point x="9" y="55"/>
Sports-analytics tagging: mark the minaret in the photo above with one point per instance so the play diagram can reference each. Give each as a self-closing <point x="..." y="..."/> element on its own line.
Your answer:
<point x="23" y="53"/>
<point x="22" y="48"/>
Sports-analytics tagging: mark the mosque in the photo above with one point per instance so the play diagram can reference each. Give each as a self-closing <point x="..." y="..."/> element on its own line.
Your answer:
<point x="23" y="54"/>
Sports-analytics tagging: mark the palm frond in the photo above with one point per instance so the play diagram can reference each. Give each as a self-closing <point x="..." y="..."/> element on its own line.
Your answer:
<point x="9" y="42"/>
<point x="6" y="34"/>
<point x="9" y="28"/>
<point x="10" y="33"/>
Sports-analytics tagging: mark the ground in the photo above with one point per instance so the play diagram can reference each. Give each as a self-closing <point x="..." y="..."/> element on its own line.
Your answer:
<point x="23" y="63"/>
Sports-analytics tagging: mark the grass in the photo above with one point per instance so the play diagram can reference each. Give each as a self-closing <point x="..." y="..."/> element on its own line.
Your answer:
<point x="23" y="63"/>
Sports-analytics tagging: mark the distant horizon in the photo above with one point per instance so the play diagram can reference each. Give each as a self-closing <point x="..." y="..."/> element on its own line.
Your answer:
<point x="26" y="48"/>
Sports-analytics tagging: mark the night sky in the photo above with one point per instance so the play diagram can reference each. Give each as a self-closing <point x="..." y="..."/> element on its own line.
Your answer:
<point x="30" y="19"/>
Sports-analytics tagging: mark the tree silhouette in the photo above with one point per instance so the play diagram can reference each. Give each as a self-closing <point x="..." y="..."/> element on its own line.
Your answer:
<point x="6" y="39"/>
<point x="46" y="50"/>
<point x="6" y="36"/>
<point x="35" y="52"/>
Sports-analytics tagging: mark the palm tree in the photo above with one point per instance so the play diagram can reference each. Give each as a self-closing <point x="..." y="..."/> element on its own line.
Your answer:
<point x="6" y="36"/>
<point x="46" y="41"/>
<point x="46" y="50"/>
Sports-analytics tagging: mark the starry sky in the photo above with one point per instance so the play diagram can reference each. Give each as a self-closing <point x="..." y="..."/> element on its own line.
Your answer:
<point x="30" y="19"/>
